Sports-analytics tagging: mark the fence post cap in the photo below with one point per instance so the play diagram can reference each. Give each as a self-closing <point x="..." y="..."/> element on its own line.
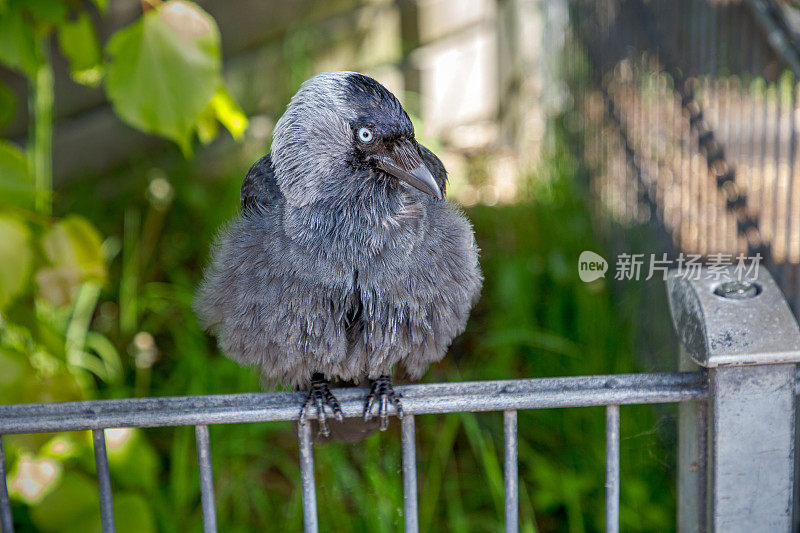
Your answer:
<point x="724" y="320"/>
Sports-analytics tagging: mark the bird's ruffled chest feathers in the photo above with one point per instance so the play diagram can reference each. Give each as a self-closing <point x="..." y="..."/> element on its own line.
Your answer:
<point x="376" y="221"/>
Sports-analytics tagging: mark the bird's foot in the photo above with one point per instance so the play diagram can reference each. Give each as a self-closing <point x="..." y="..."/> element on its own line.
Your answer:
<point x="319" y="395"/>
<point x="382" y="392"/>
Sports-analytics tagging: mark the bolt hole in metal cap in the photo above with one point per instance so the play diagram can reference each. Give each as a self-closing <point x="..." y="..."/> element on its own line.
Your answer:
<point x="738" y="290"/>
<point x="722" y="320"/>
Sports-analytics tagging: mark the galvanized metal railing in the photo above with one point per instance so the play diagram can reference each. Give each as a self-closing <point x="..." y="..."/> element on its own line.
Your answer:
<point x="506" y="396"/>
<point x="739" y="424"/>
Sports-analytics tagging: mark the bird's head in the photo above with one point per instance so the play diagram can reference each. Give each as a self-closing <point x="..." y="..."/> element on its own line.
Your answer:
<point x="340" y="129"/>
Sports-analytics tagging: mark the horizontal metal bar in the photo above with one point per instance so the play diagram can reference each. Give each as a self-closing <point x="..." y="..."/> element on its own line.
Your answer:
<point x="103" y="481"/>
<point x="477" y="396"/>
<point x="206" y="479"/>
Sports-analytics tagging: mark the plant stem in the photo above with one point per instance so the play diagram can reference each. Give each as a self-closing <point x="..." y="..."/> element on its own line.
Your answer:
<point x="129" y="284"/>
<point x="40" y="149"/>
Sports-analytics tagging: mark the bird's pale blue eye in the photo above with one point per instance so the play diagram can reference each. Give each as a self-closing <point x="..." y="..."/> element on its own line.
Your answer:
<point x="365" y="135"/>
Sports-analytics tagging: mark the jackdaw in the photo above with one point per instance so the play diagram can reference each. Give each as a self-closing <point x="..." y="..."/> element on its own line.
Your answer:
<point x="345" y="261"/>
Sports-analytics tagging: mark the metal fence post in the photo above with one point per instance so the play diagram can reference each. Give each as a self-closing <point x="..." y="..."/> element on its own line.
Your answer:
<point x="743" y="332"/>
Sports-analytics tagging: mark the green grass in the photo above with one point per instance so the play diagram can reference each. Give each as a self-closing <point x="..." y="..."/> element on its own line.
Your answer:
<point x="535" y="319"/>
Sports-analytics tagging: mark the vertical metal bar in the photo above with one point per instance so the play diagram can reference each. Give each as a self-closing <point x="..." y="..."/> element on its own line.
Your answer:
<point x="692" y="458"/>
<point x="103" y="481"/>
<point x="763" y="167"/>
<point x="789" y="269"/>
<point x="612" y="468"/>
<point x="307" y="476"/>
<point x="409" y="474"/>
<point x="777" y="195"/>
<point x="6" y="520"/>
<point x="796" y="474"/>
<point x="206" y="479"/>
<point x="793" y="217"/>
<point x="511" y="475"/>
<point x="751" y="447"/>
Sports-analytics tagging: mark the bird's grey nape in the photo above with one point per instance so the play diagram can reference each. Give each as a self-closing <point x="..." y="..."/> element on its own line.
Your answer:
<point x="310" y="138"/>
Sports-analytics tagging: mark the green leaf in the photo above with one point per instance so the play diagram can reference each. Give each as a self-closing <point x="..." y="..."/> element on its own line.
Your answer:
<point x="16" y="184"/>
<point x="74" y="242"/>
<point x="137" y="513"/>
<point x="16" y="258"/>
<point x="8" y="104"/>
<point x="132" y="459"/>
<point x="78" y="42"/>
<point x="13" y="368"/>
<point x="61" y="447"/>
<point x="35" y="479"/>
<point x="44" y="11"/>
<point x="133" y="513"/>
<point x="221" y="110"/>
<point x="229" y="113"/>
<point x="207" y="125"/>
<point x="18" y="47"/>
<point x="164" y="70"/>
<point x="107" y="353"/>
<point x="73" y="248"/>
<point x="71" y="505"/>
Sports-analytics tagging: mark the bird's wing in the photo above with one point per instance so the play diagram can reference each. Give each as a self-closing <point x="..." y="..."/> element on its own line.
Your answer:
<point x="436" y="167"/>
<point x="259" y="186"/>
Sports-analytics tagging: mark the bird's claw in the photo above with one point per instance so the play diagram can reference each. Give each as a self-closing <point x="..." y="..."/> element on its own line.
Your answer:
<point x="320" y="395"/>
<point x="383" y="392"/>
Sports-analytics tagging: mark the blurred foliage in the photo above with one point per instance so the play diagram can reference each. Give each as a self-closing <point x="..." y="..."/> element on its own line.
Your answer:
<point x="165" y="70"/>
<point x="163" y="75"/>
<point x="98" y="305"/>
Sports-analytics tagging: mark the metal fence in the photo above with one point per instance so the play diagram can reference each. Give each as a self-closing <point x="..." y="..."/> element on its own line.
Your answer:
<point x="688" y="114"/>
<point x="736" y="422"/>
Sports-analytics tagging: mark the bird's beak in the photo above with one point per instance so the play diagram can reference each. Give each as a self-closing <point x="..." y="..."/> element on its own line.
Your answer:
<point x="405" y="164"/>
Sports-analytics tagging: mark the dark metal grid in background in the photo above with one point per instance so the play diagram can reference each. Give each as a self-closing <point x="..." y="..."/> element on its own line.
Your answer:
<point x="689" y="119"/>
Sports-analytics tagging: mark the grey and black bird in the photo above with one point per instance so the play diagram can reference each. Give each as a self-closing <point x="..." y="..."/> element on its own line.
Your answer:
<point x="346" y="263"/>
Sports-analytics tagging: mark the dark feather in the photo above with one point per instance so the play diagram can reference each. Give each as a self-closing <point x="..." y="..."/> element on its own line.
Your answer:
<point x="436" y="167"/>
<point x="259" y="186"/>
